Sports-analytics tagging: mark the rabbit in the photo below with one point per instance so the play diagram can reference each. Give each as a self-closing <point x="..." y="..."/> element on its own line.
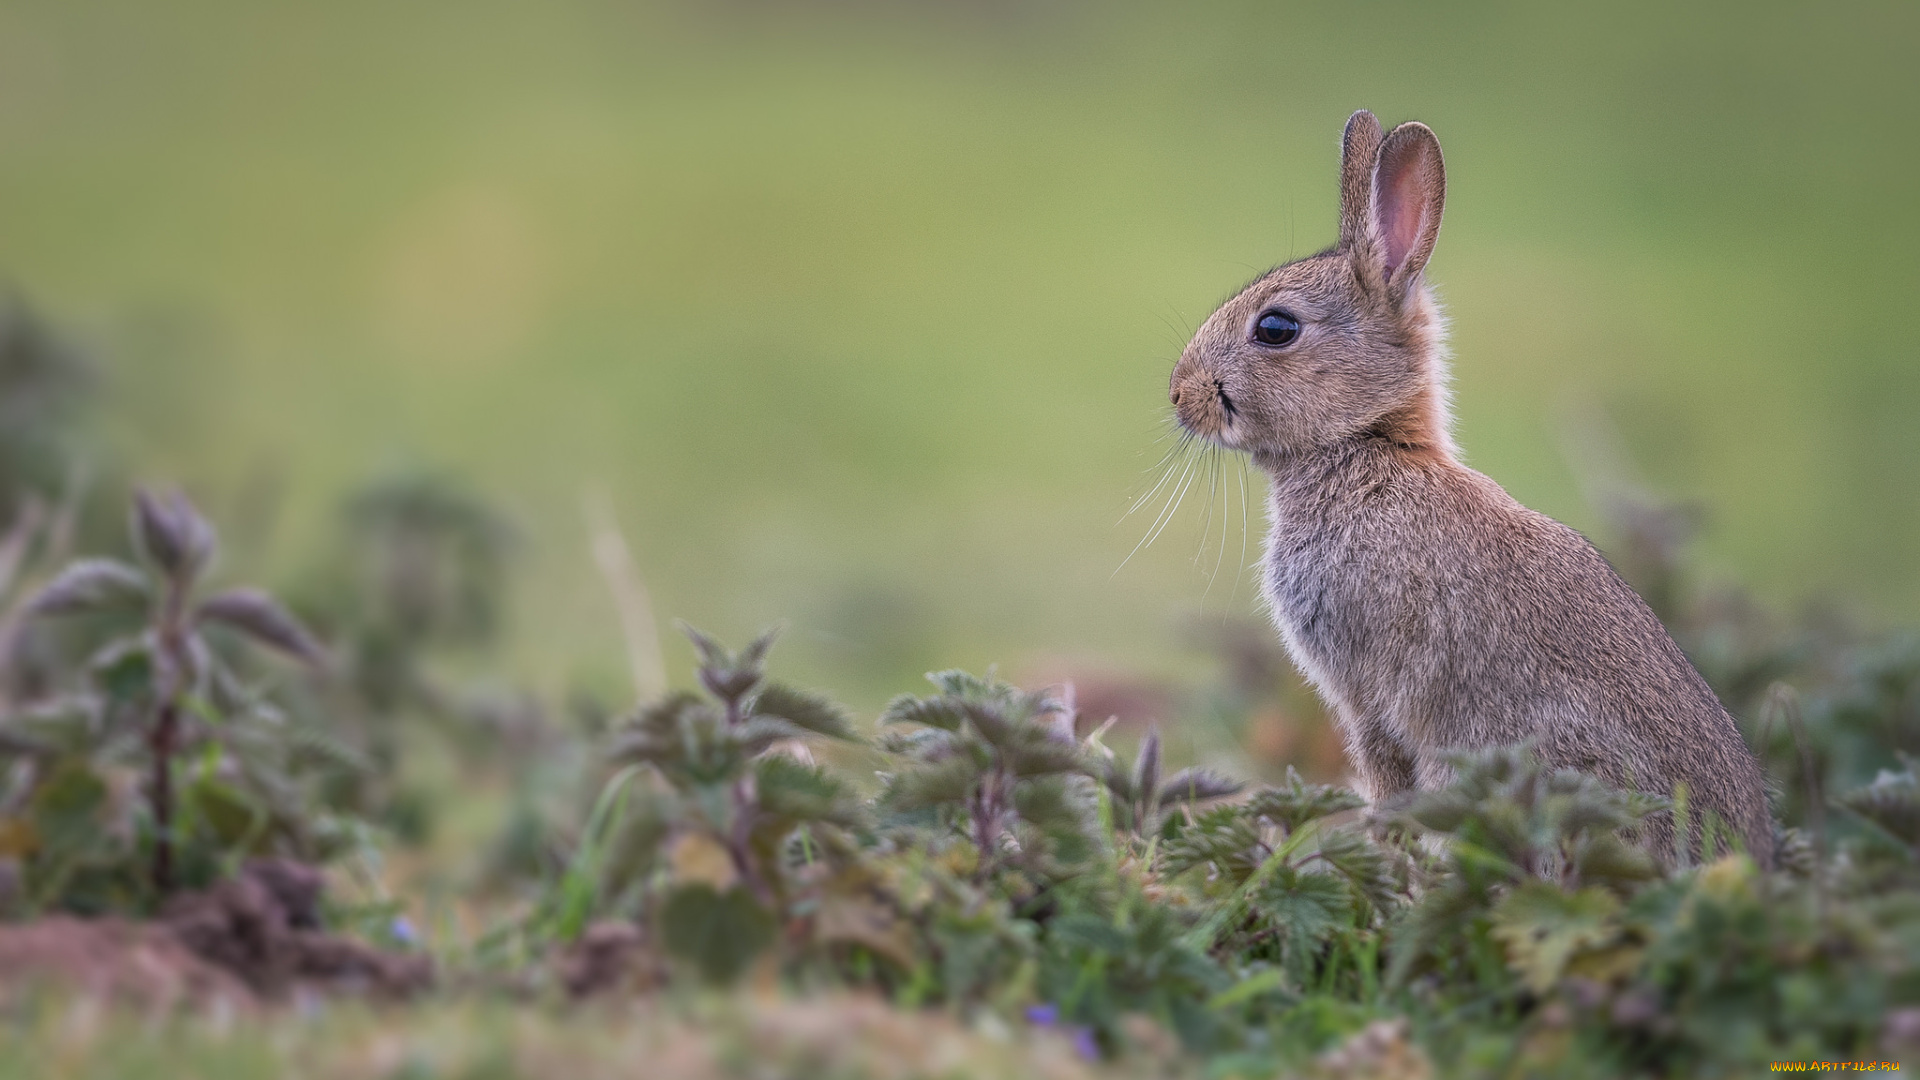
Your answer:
<point x="1432" y="611"/>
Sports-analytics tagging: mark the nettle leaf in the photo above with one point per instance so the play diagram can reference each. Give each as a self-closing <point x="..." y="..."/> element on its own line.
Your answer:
<point x="1606" y="859"/>
<point x="1037" y="753"/>
<point x="947" y="782"/>
<point x="124" y="670"/>
<point x="658" y="733"/>
<point x="754" y="656"/>
<point x="989" y="721"/>
<point x="725" y="675"/>
<point x="805" y="709"/>
<point x="312" y="744"/>
<point x="712" y="653"/>
<point x="728" y="684"/>
<point x="1576" y="803"/>
<point x="68" y="724"/>
<point x="720" y="934"/>
<point x="172" y="534"/>
<point x="1055" y="818"/>
<point x="67" y="807"/>
<point x="1117" y="780"/>
<point x="225" y="810"/>
<point x="1088" y="932"/>
<point x="1297" y="802"/>
<point x="1196" y="786"/>
<point x="1443" y="811"/>
<point x="1510" y="817"/>
<point x="1053" y="803"/>
<point x="758" y="734"/>
<point x="1639" y="804"/>
<point x="1424" y="931"/>
<point x="89" y="585"/>
<point x="1306" y="908"/>
<point x="926" y="744"/>
<point x="1225" y="838"/>
<point x="1480" y="773"/>
<point x="1543" y="928"/>
<point x="1358" y="859"/>
<point x="961" y="684"/>
<point x="793" y="791"/>
<point x="934" y="712"/>
<point x="261" y="618"/>
<point x="1146" y="766"/>
<point x="1892" y="802"/>
<point x="1305" y="904"/>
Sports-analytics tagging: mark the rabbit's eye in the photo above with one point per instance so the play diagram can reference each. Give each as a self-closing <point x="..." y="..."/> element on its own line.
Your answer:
<point x="1276" y="328"/>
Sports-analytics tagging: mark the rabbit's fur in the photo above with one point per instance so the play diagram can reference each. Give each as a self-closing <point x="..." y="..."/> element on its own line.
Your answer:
<point x="1432" y="611"/>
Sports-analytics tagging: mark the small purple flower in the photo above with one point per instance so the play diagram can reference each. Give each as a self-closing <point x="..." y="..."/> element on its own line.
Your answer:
<point x="402" y="930"/>
<point x="1047" y="1015"/>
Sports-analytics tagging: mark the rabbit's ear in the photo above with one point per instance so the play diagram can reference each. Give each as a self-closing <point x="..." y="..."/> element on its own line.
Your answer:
<point x="1359" y="150"/>
<point x="1409" y="191"/>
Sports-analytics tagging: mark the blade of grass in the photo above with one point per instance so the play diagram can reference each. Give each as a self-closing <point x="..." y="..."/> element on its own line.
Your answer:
<point x="579" y="885"/>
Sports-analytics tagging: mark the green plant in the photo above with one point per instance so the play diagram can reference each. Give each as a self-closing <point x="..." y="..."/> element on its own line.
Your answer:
<point x="1282" y="881"/>
<point x="1519" y="835"/>
<point x="740" y="819"/>
<point x="997" y="764"/>
<point x="1140" y="795"/>
<point x="161" y="696"/>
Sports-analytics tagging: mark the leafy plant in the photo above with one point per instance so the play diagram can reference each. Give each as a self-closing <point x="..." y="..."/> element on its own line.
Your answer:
<point x="1283" y="880"/>
<point x="996" y="764"/>
<point x="1892" y="803"/>
<point x="1509" y="822"/>
<point x="1140" y="795"/>
<point x="1101" y="963"/>
<point x="739" y="818"/>
<point x="160" y="696"/>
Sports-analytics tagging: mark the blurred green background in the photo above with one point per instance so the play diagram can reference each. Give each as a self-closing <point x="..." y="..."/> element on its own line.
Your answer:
<point x="860" y="314"/>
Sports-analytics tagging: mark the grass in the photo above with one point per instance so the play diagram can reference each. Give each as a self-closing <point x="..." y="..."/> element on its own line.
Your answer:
<point x="712" y="1038"/>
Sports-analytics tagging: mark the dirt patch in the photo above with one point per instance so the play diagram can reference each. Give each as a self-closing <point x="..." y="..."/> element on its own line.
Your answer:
<point x="246" y="941"/>
<point x="609" y="958"/>
<point x="140" y="964"/>
<point x="263" y="926"/>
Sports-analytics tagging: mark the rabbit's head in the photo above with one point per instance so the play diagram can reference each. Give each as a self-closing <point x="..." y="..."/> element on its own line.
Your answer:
<point x="1339" y="344"/>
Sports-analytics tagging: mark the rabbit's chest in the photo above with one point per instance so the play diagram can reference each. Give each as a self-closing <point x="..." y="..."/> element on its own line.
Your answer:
<point x="1321" y="611"/>
<point x="1353" y="617"/>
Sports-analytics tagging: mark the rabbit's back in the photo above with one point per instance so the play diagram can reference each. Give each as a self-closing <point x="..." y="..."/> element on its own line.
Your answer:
<point x="1435" y="613"/>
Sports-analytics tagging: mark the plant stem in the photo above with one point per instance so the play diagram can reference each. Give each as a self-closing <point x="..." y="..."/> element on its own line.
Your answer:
<point x="165" y="736"/>
<point x="745" y="801"/>
<point x="170" y="661"/>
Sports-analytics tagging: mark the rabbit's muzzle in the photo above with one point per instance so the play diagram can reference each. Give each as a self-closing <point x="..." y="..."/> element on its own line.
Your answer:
<point x="1201" y="402"/>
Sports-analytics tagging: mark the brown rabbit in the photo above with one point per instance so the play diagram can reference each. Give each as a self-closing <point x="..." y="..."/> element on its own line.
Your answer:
<point x="1432" y="611"/>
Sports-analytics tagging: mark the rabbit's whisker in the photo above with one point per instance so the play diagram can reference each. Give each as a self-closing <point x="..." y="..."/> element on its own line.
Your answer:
<point x="1213" y="495"/>
<point x="1241" y="568"/>
<point x="1166" y="512"/>
<point x="1226" y="515"/>
<point x="1212" y="469"/>
<point x="1179" y="499"/>
<point x="1166" y="470"/>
